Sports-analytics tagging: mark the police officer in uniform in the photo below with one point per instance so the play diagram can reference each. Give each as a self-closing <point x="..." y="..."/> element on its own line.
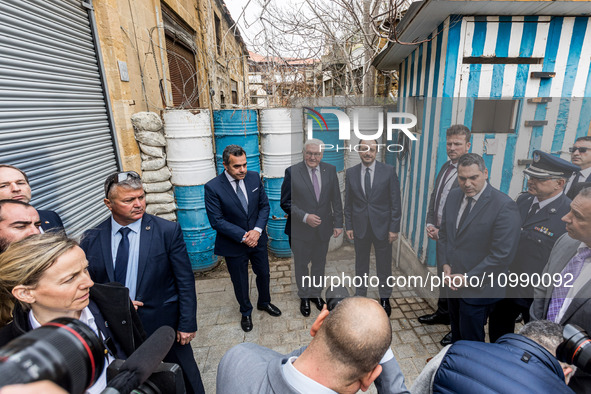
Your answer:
<point x="541" y="209"/>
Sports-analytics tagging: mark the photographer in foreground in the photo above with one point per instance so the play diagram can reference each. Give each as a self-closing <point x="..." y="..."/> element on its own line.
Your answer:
<point x="44" y="277"/>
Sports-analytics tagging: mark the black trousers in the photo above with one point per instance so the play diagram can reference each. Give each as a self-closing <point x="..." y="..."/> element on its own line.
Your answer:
<point x="383" y="252"/>
<point x="502" y="317"/>
<point x="183" y="356"/>
<point x="467" y="320"/>
<point x="238" y="268"/>
<point x="307" y="253"/>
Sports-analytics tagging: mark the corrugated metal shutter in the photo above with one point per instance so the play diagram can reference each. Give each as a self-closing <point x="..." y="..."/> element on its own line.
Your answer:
<point x="54" y="119"/>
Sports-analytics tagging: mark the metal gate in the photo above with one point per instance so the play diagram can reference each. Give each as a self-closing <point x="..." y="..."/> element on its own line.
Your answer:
<point x="55" y="121"/>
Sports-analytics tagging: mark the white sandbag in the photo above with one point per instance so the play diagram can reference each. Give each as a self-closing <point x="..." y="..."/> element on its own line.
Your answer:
<point x="150" y="138"/>
<point x="157" y="187"/>
<point x="153" y="164"/>
<point x="154" y="151"/>
<point x="168" y="216"/>
<point x="146" y="121"/>
<point x="160" y="175"/>
<point x="157" y="209"/>
<point x="159" y="198"/>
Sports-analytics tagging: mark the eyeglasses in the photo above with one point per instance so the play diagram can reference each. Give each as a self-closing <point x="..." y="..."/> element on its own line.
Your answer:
<point x="119" y="177"/>
<point x="313" y="154"/>
<point x="578" y="148"/>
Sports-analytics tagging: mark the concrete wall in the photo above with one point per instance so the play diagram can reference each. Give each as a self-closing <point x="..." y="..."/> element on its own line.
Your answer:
<point x="128" y="32"/>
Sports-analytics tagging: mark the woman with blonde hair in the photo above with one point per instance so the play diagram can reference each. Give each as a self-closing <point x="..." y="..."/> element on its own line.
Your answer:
<point x="45" y="276"/>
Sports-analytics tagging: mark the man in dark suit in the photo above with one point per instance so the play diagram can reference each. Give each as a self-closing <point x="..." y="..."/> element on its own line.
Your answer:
<point x="372" y="216"/>
<point x="18" y="220"/>
<point x="315" y="214"/>
<point x="457" y="144"/>
<point x="541" y="209"/>
<point x="14" y="185"/>
<point x="580" y="155"/>
<point x="568" y="300"/>
<point x="350" y="349"/>
<point x="478" y="239"/>
<point x="238" y="209"/>
<point x="148" y="255"/>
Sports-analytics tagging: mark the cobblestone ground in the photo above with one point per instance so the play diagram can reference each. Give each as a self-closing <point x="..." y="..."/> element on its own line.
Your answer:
<point x="219" y="319"/>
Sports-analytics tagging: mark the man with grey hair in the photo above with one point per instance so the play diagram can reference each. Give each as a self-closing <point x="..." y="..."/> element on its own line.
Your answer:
<point x="311" y="197"/>
<point x="517" y="363"/>
<point x="567" y="300"/>
<point x="148" y="255"/>
<point x="478" y="240"/>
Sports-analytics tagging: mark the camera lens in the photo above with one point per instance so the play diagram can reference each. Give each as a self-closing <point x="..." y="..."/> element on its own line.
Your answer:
<point x="576" y="348"/>
<point x="65" y="351"/>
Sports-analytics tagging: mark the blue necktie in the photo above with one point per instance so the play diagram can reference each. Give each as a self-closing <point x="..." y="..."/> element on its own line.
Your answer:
<point x="122" y="256"/>
<point x="241" y="196"/>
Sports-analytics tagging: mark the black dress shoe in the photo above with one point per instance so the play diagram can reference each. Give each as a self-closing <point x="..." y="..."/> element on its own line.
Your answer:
<point x="270" y="309"/>
<point x="319" y="302"/>
<point x="305" y="307"/>
<point x="434" y="318"/>
<point x="446" y="340"/>
<point x="385" y="303"/>
<point x="246" y="323"/>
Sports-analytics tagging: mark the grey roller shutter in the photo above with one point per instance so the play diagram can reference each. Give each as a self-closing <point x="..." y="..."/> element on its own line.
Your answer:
<point x="54" y="116"/>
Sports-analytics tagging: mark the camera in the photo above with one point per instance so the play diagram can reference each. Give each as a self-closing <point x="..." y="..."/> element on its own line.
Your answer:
<point x="69" y="353"/>
<point x="576" y="348"/>
<point x="65" y="351"/>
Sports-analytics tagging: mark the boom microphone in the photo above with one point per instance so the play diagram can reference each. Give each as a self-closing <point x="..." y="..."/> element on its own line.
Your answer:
<point x="140" y="365"/>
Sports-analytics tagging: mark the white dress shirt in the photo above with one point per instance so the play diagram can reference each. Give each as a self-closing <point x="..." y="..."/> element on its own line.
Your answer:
<point x="87" y="318"/>
<point x="465" y="204"/>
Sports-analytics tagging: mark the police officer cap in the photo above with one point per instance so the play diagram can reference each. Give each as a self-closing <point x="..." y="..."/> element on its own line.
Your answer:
<point x="546" y="165"/>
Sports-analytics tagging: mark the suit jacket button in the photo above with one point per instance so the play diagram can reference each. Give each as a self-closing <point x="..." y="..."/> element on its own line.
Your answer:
<point x="124" y="322"/>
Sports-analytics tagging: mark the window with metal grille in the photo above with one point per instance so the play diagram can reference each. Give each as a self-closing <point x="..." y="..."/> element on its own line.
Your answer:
<point x="183" y="74"/>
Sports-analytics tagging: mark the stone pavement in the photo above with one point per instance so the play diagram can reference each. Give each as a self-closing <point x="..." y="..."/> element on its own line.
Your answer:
<point x="219" y="318"/>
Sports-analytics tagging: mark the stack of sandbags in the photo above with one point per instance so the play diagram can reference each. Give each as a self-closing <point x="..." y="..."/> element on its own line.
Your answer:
<point x="155" y="174"/>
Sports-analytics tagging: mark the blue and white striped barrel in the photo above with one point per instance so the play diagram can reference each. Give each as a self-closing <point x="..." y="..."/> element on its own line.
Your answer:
<point x="237" y="127"/>
<point x="198" y="234"/>
<point x="325" y="127"/>
<point x="278" y="241"/>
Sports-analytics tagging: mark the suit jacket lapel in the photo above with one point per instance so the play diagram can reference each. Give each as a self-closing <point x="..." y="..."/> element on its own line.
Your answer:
<point x="231" y="190"/>
<point x="440" y="176"/>
<point x="578" y="300"/>
<point x="481" y="203"/>
<point x="146" y="232"/>
<point x="525" y="207"/>
<point x="305" y="177"/>
<point x="106" y="250"/>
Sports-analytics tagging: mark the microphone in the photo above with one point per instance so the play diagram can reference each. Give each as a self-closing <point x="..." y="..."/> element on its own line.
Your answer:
<point x="140" y="365"/>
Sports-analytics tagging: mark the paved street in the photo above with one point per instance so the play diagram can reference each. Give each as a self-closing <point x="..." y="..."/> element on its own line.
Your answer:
<point x="219" y="319"/>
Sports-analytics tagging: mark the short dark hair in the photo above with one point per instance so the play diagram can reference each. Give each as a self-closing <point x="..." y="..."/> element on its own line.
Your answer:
<point x="586" y="138"/>
<point x="15" y="168"/>
<point x="14" y="202"/>
<point x="585" y="192"/>
<point x="234" y="150"/>
<point x="459" y="129"/>
<point x="545" y="332"/>
<point x="469" y="159"/>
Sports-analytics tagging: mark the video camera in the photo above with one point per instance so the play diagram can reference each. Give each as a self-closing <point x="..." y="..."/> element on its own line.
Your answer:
<point x="68" y="353"/>
<point x="576" y="348"/>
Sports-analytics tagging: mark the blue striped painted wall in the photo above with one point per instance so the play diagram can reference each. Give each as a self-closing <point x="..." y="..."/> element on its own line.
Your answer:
<point x="435" y="71"/>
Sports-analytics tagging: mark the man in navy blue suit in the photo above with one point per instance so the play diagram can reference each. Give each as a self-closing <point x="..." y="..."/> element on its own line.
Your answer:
<point x="149" y="256"/>
<point x="238" y="209"/>
<point x="14" y="185"/>
<point x="372" y="216"/>
<point x="478" y="240"/>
